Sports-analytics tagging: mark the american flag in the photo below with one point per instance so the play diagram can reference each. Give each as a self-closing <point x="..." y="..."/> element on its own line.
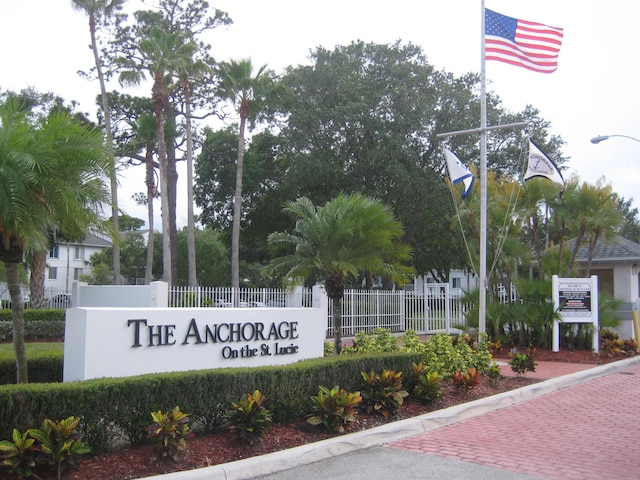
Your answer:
<point x="518" y="42"/>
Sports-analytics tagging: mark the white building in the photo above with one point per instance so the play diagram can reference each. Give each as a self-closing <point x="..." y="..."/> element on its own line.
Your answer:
<point x="464" y="280"/>
<point x="67" y="261"/>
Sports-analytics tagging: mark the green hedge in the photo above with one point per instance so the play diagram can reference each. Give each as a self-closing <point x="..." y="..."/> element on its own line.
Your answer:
<point x="43" y="367"/>
<point x="35" y="330"/>
<point x="39" y="325"/>
<point x="113" y="408"/>
<point x="40" y="314"/>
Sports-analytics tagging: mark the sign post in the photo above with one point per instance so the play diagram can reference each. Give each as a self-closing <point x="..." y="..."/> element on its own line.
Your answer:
<point x="576" y="300"/>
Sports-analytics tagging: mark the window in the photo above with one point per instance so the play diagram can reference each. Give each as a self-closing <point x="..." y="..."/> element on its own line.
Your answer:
<point x="76" y="273"/>
<point x="455" y="282"/>
<point x="53" y="273"/>
<point x="78" y="253"/>
<point x="54" y="252"/>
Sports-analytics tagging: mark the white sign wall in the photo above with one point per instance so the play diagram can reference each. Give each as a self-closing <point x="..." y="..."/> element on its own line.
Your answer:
<point x="120" y="342"/>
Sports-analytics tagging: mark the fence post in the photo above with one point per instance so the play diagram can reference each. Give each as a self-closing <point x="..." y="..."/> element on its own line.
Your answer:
<point x="377" y="308"/>
<point x="76" y="293"/>
<point x="159" y="294"/>
<point x="447" y="308"/>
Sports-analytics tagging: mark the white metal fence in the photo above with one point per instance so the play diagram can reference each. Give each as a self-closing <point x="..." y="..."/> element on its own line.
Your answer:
<point x="53" y="297"/>
<point x="225" y="297"/>
<point x="437" y="309"/>
<point x="432" y="311"/>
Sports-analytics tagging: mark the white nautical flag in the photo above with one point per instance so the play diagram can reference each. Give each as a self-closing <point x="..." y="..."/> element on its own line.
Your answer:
<point x="541" y="166"/>
<point x="459" y="173"/>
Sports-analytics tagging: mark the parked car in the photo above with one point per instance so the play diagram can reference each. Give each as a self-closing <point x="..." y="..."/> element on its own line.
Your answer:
<point x="219" y="302"/>
<point x="61" y="301"/>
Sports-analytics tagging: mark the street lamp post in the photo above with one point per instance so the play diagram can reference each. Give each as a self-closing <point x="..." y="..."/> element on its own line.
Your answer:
<point x="602" y="138"/>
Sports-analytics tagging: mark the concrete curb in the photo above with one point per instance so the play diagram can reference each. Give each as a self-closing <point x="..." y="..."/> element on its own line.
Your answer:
<point x="314" y="452"/>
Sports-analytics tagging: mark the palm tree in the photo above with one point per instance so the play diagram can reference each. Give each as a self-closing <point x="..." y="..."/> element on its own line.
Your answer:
<point x="246" y="92"/>
<point x="588" y="212"/>
<point x="161" y="55"/>
<point x="537" y="195"/>
<point x="347" y="236"/>
<point x="96" y="10"/>
<point x="52" y="173"/>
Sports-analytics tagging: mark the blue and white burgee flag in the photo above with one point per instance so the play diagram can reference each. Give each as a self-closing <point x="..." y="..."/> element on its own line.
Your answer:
<point x="540" y="165"/>
<point x="459" y="173"/>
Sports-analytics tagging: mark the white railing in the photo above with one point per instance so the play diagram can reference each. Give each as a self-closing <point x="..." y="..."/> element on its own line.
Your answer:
<point x="437" y="309"/>
<point x="433" y="311"/>
<point x="59" y="298"/>
<point x="366" y="310"/>
<point x="226" y="297"/>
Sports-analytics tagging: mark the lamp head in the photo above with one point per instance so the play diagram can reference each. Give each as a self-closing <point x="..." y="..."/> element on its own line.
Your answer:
<point x="599" y="139"/>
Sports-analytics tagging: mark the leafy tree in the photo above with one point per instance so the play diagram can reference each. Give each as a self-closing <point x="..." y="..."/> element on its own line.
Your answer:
<point x="631" y="227"/>
<point x="100" y="275"/>
<point x="133" y="251"/>
<point x="246" y="91"/>
<point x="364" y="118"/>
<point x="213" y="267"/>
<point x="53" y="173"/>
<point x="128" y="223"/>
<point x="215" y="177"/>
<point x="213" y="255"/>
<point x="262" y="198"/>
<point x="97" y="11"/>
<point x="349" y="235"/>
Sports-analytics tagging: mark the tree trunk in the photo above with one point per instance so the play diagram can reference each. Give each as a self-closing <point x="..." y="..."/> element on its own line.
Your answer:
<point x="537" y="245"/>
<point x="593" y="241"/>
<point x="191" y="235"/>
<point x="158" y="100"/>
<point x="36" y="280"/>
<point x="337" y="324"/>
<point x="17" y="319"/>
<point x="151" y="192"/>
<point x="576" y="247"/>
<point x="237" y="209"/>
<point x="172" y="185"/>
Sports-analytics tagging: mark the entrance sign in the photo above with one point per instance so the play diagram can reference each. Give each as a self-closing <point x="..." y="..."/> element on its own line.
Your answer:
<point x="576" y="300"/>
<point x="122" y="342"/>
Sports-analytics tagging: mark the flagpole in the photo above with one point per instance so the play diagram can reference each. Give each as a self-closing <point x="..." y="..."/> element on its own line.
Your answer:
<point x="482" y="305"/>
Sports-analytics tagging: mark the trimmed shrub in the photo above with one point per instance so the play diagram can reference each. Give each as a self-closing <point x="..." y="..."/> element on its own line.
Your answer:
<point x="35" y="330"/>
<point x="43" y="367"/>
<point x="201" y="393"/>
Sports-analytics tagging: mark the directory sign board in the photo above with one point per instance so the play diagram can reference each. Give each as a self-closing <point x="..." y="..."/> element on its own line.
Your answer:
<point x="576" y="301"/>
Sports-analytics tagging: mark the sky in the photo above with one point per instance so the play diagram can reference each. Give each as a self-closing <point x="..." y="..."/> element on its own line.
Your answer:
<point x="595" y="90"/>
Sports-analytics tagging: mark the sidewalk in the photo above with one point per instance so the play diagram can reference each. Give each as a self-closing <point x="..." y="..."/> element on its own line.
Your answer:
<point x="579" y="424"/>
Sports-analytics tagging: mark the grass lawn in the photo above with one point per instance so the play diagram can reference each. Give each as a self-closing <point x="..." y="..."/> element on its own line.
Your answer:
<point x="34" y="350"/>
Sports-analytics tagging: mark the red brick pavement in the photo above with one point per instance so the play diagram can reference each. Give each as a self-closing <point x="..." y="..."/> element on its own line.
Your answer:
<point x="546" y="370"/>
<point x="586" y="431"/>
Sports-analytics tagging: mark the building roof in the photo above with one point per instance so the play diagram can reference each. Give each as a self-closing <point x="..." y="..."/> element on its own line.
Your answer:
<point x="90" y="240"/>
<point x="616" y="250"/>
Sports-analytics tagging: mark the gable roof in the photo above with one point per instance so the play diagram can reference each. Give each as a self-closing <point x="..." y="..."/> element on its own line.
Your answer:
<point x="616" y="250"/>
<point x="91" y="239"/>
